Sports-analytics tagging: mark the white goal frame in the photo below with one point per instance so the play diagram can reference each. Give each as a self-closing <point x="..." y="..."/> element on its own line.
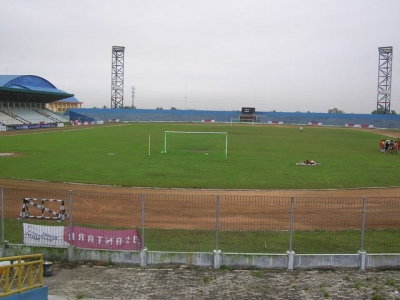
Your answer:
<point x="197" y="132"/>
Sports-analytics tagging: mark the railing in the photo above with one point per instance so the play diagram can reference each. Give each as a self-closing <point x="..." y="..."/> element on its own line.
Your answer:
<point x="20" y="273"/>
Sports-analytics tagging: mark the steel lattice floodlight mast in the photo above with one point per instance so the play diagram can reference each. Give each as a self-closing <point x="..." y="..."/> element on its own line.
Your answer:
<point x="384" y="79"/>
<point x="117" y="77"/>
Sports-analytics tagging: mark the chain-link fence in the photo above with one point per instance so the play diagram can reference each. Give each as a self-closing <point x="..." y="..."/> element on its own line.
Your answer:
<point x="203" y="223"/>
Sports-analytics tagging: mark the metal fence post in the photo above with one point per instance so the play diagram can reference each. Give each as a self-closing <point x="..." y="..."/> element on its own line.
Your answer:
<point x="143" y="251"/>
<point x="362" y="255"/>
<point x="290" y="253"/>
<point x="70" y="216"/>
<point x="217" y="253"/>
<point x="71" y="253"/>
<point x="363" y="223"/>
<point x="2" y="215"/>
<point x="291" y="225"/>
<point x="217" y="224"/>
<point x="143" y="243"/>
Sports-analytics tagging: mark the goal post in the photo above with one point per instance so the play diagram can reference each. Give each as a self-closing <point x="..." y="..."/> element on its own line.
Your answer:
<point x="196" y="142"/>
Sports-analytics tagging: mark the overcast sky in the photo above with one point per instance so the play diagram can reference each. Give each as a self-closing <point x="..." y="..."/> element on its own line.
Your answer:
<point x="282" y="55"/>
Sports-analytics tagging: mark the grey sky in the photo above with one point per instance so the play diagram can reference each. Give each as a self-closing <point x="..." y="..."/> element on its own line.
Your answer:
<point x="283" y="55"/>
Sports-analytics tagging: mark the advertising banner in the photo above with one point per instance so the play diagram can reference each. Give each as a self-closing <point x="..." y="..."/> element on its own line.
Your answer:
<point x="33" y="126"/>
<point x="92" y="238"/>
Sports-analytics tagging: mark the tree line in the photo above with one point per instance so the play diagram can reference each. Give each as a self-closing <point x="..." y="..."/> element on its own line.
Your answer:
<point x="379" y="111"/>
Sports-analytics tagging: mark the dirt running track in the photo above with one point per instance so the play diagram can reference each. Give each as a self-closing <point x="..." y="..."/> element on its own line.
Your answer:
<point x="370" y="192"/>
<point x="245" y="214"/>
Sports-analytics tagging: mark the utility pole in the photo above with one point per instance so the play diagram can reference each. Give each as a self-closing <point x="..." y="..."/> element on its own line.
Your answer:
<point x="133" y="96"/>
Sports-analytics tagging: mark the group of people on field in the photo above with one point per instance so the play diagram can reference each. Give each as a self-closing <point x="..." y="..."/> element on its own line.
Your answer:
<point x="308" y="162"/>
<point x="390" y="146"/>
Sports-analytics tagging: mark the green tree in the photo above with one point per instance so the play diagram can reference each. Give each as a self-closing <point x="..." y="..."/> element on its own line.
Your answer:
<point x="335" y="111"/>
<point x="381" y="111"/>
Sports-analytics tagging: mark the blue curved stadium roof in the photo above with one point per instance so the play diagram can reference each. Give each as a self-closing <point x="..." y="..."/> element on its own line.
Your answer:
<point x="35" y="84"/>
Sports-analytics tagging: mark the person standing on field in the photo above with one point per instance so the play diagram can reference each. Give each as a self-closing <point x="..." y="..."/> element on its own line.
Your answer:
<point x="301" y="129"/>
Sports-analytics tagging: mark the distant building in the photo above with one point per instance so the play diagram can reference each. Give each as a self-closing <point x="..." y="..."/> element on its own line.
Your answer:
<point x="62" y="105"/>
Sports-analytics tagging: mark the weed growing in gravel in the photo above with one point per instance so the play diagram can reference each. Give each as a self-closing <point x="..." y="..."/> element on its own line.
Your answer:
<point x="256" y="273"/>
<point x="389" y="282"/>
<point x="261" y="289"/>
<point x="323" y="290"/>
<point x="377" y="287"/>
<point x="206" y="279"/>
<point x="378" y="297"/>
<point x="357" y="284"/>
<point x="326" y="293"/>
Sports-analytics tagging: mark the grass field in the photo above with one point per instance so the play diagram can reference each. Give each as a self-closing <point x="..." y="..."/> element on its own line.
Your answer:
<point x="259" y="157"/>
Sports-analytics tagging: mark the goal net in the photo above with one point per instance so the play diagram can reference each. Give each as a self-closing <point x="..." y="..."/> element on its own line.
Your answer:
<point x="194" y="142"/>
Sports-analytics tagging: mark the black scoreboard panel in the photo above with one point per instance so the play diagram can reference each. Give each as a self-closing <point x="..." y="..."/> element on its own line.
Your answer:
<point x="248" y="110"/>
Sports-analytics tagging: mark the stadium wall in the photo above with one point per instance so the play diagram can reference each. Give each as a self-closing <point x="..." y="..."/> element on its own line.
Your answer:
<point x="215" y="259"/>
<point x="296" y="118"/>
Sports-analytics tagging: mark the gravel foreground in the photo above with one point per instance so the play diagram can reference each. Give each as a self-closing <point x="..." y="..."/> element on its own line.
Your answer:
<point x="88" y="281"/>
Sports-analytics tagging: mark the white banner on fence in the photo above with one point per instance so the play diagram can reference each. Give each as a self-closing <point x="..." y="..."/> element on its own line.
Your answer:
<point x="39" y="235"/>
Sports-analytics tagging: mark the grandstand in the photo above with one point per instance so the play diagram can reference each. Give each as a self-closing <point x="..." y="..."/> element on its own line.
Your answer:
<point x="152" y="115"/>
<point x="24" y="100"/>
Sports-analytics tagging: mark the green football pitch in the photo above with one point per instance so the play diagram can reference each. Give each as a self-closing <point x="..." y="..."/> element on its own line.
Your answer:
<point x="246" y="157"/>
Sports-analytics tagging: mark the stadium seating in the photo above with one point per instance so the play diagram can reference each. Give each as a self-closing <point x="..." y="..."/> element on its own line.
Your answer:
<point x="294" y="118"/>
<point x="51" y="115"/>
<point x="30" y="116"/>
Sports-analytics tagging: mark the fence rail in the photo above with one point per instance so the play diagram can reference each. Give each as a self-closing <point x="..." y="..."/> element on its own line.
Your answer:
<point x="20" y="273"/>
<point x="169" y="222"/>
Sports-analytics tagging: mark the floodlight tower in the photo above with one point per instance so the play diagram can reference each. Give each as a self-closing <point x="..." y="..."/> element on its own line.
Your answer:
<point x="117" y="77"/>
<point x="384" y="79"/>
